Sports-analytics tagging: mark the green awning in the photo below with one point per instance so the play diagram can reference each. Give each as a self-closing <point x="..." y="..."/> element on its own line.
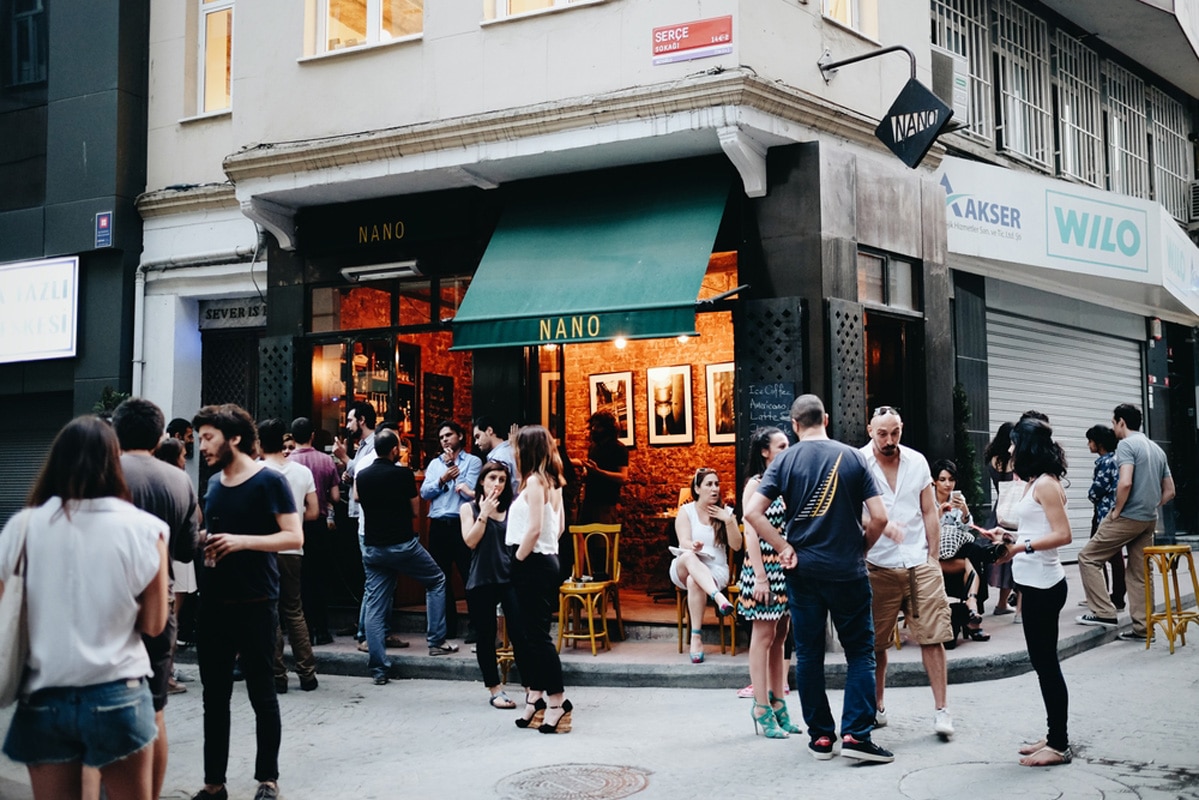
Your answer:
<point x="579" y="262"/>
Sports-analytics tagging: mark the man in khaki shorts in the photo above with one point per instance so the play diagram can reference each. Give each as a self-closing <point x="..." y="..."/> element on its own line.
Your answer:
<point x="904" y="574"/>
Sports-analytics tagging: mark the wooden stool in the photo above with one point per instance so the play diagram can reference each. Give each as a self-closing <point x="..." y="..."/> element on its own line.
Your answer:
<point x="1173" y="620"/>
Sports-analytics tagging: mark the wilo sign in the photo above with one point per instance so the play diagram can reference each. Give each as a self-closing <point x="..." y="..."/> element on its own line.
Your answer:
<point x="38" y="309"/>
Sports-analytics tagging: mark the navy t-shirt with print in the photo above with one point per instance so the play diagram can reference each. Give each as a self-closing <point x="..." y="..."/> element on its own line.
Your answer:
<point x="823" y="483"/>
<point x="248" y="509"/>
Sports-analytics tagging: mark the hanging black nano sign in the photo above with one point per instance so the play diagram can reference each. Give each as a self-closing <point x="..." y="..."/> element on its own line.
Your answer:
<point x="913" y="123"/>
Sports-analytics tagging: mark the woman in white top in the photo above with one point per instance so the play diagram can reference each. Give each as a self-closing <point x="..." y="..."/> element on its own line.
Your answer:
<point x="536" y="520"/>
<point x="706" y="529"/>
<point x="96" y="579"/>
<point x="1040" y="578"/>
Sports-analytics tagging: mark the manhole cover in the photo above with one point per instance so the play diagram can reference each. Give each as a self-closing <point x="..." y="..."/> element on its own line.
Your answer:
<point x="573" y="782"/>
<point x="992" y="781"/>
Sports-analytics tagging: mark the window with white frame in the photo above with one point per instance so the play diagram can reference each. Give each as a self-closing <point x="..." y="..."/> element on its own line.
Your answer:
<point x="1080" y="120"/>
<point x="860" y="15"/>
<point x="27" y="44"/>
<point x="1172" y="153"/>
<point x="1022" y="47"/>
<point x="1127" y="132"/>
<point x="345" y="24"/>
<point x="502" y="9"/>
<point x="960" y="26"/>
<point x="216" y="56"/>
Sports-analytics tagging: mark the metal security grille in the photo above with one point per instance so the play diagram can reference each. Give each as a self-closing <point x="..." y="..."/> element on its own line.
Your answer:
<point x="229" y="370"/>
<point x="1172" y="153"/>
<point x="960" y="26"/>
<point x="20" y="459"/>
<point x="1076" y="377"/>
<point x="1127" y="132"/>
<point x="1080" y="121"/>
<point x="847" y="370"/>
<point x="276" y="377"/>
<point x="1022" y="47"/>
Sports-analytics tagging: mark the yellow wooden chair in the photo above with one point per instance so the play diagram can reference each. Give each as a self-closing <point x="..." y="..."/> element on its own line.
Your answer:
<point x="1173" y="620"/>
<point x="583" y="597"/>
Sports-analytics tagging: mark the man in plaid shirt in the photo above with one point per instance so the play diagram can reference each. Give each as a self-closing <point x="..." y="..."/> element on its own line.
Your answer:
<point x="1101" y="440"/>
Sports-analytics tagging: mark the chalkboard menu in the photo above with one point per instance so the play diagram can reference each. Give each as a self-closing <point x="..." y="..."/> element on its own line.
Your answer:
<point x="437" y="395"/>
<point x="770" y="404"/>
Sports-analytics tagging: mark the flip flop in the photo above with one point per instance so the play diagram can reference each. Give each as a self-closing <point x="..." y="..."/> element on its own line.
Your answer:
<point x="1055" y="757"/>
<point x="501" y="700"/>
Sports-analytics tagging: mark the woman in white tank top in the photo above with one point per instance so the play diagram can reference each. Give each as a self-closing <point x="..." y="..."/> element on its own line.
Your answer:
<point x="1040" y="578"/>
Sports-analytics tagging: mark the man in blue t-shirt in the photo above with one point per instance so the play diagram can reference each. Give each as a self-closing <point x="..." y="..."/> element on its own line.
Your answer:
<point x="824" y="485"/>
<point x="250" y="515"/>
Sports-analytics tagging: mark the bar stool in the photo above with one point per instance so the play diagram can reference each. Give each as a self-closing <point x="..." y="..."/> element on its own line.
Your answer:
<point x="1173" y="620"/>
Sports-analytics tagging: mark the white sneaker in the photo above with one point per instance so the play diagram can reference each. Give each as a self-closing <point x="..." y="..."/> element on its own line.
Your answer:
<point x="880" y="718"/>
<point x="943" y="723"/>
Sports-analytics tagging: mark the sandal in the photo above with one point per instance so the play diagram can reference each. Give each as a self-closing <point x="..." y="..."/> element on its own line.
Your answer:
<point x="501" y="700"/>
<point x="1048" y="757"/>
<point x="976" y="635"/>
<point x="1028" y="748"/>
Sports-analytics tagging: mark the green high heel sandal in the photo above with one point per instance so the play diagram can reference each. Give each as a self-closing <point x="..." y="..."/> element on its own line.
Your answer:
<point x="780" y="714"/>
<point x="766" y="719"/>
<point x="697" y="658"/>
<point x="722" y="609"/>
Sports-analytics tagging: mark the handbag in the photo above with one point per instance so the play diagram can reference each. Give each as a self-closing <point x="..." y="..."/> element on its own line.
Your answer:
<point x="1010" y="493"/>
<point x="954" y="536"/>
<point x="14" y="628"/>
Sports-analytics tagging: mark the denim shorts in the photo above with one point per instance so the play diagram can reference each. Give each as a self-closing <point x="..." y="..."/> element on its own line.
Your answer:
<point x="96" y="725"/>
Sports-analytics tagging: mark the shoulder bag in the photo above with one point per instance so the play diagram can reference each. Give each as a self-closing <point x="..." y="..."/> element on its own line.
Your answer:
<point x="14" y="627"/>
<point x="1010" y="493"/>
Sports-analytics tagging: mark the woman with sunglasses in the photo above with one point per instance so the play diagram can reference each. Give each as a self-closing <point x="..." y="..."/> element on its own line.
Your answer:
<point x="706" y="529"/>
<point x="484" y="527"/>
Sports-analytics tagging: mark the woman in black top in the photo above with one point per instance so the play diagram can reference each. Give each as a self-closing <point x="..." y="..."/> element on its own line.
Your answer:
<point x="484" y="525"/>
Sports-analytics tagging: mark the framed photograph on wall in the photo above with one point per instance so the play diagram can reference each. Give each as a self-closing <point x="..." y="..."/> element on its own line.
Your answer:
<point x="668" y="410"/>
<point x="551" y="415"/>
<point x="722" y="425"/>
<point x="613" y="391"/>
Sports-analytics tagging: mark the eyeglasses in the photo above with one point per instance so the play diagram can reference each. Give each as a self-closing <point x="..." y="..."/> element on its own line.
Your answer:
<point x="883" y="411"/>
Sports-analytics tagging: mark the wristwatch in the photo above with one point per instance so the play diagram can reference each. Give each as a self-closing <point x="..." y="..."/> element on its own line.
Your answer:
<point x="1028" y="546"/>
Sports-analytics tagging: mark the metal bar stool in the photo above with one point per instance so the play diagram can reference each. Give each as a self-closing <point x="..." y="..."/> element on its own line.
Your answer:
<point x="1173" y="620"/>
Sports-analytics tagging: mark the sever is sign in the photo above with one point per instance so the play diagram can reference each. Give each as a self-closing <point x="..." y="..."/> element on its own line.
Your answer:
<point x="689" y="40"/>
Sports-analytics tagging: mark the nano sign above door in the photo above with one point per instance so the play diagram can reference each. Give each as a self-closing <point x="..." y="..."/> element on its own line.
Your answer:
<point x="913" y="123"/>
<point x="690" y="40"/>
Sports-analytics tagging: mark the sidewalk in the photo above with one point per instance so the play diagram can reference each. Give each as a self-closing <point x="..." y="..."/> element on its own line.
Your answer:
<point x="649" y="656"/>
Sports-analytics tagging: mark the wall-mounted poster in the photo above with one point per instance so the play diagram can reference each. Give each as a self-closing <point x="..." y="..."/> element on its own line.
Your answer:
<point x="551" y="415"/>
<point x="668" y="392"/>
<point x="722" y="427"/>
<point x="613" y="391"/>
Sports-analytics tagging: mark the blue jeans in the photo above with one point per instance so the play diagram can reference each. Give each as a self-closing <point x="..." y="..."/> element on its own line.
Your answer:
<point x="383" y="566"/>
<point x="812" y="601"/>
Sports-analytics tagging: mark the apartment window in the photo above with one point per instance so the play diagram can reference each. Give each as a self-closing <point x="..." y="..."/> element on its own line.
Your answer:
<point x="861" y="15"/>
<point x="1022" y="45"/>
<point x="1127" y="132"/>
<point x="216" y="55"/>
<point x="887" y="281"/>
<point x="345" y="24"/>
<point x="1172" y="153"/>
<point x="27" y="47"/>
<point x="502" y="9"/>
<point x="1080" y="120"/>
<point x="960" y="26"/>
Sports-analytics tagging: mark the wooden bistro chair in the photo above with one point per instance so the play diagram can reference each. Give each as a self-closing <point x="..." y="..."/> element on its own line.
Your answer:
<point x="728" y="623"/>
<point x="593" y="584"/>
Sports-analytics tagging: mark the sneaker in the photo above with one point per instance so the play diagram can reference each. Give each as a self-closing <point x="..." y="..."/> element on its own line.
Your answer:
<point x="442" y="649"/>
<point x="748" y="691"/>
<point x="266" y="792"/>
<point x="381" y="680"/>
<point x="363" y="647"/>
<point x="309" y="684"/>
<point x="864" y="750"/>
<point x="1091" y="619"/>
<point x="1129" y="636"/>
<point x="880" y="718"/>
<point x="821" y="748"/>
<point x="220" y="794"/>
<point x="182" y="676"/>
<point x="943" y="723"/>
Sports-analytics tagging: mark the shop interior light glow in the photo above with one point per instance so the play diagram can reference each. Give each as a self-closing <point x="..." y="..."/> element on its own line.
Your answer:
<point x="620" y="342"/>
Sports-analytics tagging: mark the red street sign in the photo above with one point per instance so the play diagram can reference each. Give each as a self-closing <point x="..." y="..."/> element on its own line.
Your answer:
<point x="689" y="40"/>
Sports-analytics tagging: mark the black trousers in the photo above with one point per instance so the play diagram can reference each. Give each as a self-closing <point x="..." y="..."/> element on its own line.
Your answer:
<point x="223" y="631"/>
<point x="482" y="601"/>
<point x="536" y="583"/>
<point x="449" y="550"/>
<point x="1040" y="609"/>
<point x="317" y="575"/>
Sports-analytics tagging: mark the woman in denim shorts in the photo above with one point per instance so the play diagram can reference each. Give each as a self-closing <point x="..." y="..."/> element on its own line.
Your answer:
<point x="96" y="579"/>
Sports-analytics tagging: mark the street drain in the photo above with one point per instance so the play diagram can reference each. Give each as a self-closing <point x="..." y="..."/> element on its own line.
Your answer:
<point x="573" y="782"/>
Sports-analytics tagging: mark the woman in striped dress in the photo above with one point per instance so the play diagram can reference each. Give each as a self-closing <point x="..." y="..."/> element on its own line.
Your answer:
<point x="763" y="598"/>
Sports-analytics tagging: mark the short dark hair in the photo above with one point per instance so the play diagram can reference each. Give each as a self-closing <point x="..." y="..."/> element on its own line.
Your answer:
<point x="84" y="462"/>
<point x="1035" y="451"/>
<point x="807" y="411"/>
<point x="231" y="420"/>
<point x="301" y="430"/>
<point x="178" y="427"/>
<point x="169" y="450"/>
<point x="1032" y="413"/>
<point x="454" y="426"/>
<point x="1103" y="436"/>
<point x="484" y="422"/>
<point x="943" y="465"/>
<point x="1130" y="414"/>
<point x="138" y="424"/>
<point x="270" y="435"/>
<point x="386" y="440"/>
<point x="365" y="413"/>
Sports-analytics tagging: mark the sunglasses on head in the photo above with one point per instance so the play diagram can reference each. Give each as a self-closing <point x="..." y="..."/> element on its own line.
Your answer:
<point x="883" y="411"/>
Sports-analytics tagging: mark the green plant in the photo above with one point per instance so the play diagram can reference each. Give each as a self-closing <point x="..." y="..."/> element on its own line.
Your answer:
<point x="109" y="400"/>
<point x="964" y="454"/>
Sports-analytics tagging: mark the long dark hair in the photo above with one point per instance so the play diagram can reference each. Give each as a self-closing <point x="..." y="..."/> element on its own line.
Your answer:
<point x="1036" y="453"/>
<point x="505" y="498"/>
<point x="718" y="527"/>
<point x="759" y="440"/>
<point x="999" y="447"/>
<point x="536" y="454"/>
<point x="84" y="462"/>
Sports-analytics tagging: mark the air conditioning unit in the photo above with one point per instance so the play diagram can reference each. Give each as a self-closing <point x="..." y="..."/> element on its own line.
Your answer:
<point x="951" y="83"/>
<point x="1193" y="204"/>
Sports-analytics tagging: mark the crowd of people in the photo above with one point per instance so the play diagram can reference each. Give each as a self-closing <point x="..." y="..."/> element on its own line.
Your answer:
<point x="863" y="537"/>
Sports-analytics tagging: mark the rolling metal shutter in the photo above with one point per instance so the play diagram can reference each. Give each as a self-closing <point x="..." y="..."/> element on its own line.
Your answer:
<point x="21" y="458"/>
<point x="1076" y="378"/>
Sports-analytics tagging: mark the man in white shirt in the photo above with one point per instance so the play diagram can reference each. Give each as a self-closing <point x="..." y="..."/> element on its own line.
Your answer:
<point x="904" y="573"/>
<point x="360" y="426"/>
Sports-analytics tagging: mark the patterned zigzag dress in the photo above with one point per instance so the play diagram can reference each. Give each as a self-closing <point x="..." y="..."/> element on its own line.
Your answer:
<point x="776" y="608"/>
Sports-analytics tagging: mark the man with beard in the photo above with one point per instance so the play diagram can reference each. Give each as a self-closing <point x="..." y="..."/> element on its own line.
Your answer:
<point x="904" y="573"/>
<point x="449" y="482"/>
<point x="251" y="516"/>
<point x="181" y="429"/>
